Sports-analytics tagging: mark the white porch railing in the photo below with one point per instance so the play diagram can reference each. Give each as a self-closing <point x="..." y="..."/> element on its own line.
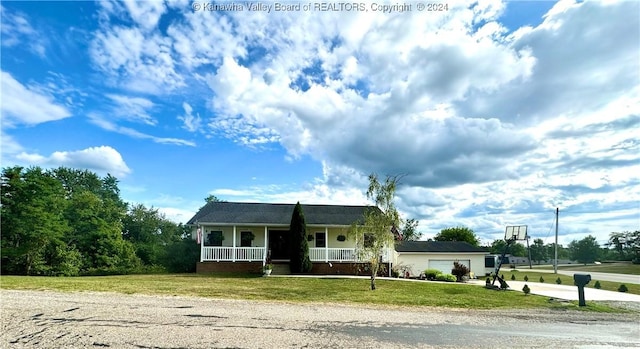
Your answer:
<point x="249" y="253"/>
<point x="217" y="253"/>
<point x="319" y="254"/>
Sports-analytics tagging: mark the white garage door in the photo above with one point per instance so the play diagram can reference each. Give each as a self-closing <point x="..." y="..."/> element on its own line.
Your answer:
<point x="445" y="266"/>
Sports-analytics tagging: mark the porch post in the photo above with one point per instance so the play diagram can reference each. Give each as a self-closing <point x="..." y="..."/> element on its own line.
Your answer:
<point x="326" y="245"/>
<point x="233" y="258"/>
<point x="266" y="247"/>
<point x="200" y="231"/>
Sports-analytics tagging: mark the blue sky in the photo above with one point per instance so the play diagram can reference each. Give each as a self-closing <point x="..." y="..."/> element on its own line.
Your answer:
<point x="494" y="113"/>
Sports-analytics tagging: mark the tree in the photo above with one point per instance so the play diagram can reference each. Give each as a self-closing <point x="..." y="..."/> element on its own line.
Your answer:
<point x="585" y="251"/>
<point x="458" y="234"/>
<point x="626" y="244"/>
<point x="538" y="251"/>
<point x="498" y="246"/>
<point x="97" y="232"/>
<point x="409" y="230"/>
<point x="150" y="232"/>
<point x="180" y="256"/>
<point x="375" y="233"/>
<point x="33" y="224"/>
<point x="300" y="262"/>
<point x="563" y="253"/>
<point x="518" y="250"/>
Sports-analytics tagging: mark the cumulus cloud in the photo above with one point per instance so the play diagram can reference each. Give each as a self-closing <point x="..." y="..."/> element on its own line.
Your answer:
<point x="102" y="159"/>
<point x="487" y="127"/>
<point x="484" y="118"/>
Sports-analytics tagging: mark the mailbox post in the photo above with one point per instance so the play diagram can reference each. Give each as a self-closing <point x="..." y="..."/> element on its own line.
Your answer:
<point x="581" y="280"/>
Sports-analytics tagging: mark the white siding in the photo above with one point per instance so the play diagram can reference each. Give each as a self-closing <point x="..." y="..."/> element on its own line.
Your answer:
<point x="419" y="261"/>
<point x="445" y="265"/>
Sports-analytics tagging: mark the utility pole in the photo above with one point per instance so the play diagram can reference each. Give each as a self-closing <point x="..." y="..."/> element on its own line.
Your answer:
<point x="555" y="258"/>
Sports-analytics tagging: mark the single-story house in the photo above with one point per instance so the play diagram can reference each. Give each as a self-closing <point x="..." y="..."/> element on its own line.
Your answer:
<point x="238" y="236"/>
<point x="417" y="256"/>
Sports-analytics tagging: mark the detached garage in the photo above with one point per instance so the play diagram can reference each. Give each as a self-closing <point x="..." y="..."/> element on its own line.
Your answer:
<point x="417" y="256"/>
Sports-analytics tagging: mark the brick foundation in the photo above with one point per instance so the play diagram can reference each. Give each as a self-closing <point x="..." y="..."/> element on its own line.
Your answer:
<point x="229" y="267"/>
<point x="334" y="268"/>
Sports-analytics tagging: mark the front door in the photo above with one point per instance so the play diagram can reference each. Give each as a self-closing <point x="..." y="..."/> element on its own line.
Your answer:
<point x="279" y="244"/>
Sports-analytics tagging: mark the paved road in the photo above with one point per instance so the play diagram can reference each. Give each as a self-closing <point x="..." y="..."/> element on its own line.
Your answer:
<point x="621" y="278"/>
<point x="38" y="319"/>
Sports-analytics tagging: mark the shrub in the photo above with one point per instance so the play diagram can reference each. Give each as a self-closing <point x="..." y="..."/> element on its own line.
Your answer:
<point x="488" y="281"/>
<point x="597" y="285"/>
<point x="513" y="276"/>
<point x="558" y="281"/>
<point x="541" y="280"/>
<point x="623" y="288"/>
<point x="526" y="289"/>
<point x="181" y="256"/>
<point x="432" y="273"/>
<point x="395" y="273"/>
<point x="446" y="277"/>
<point x="636" y="260"/>
<point x="526" y="278"/>
<point x="459" y="270"/>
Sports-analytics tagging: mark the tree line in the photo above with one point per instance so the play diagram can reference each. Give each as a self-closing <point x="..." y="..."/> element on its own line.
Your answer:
<point x="70" y="222"/>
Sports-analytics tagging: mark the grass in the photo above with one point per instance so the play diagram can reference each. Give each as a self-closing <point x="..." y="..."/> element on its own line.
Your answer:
<point x="616" y="268"/>
<point x="567" y="280"/>
<point x="346" y="291"/>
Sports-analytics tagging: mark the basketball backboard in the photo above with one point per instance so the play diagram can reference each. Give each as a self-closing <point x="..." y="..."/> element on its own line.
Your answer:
<point x="516" y="232"/>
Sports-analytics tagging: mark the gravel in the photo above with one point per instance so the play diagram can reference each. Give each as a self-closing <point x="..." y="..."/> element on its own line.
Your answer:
<point x="43" y="319"/>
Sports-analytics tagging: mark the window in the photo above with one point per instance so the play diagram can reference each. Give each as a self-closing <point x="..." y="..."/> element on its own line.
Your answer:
<point x="368" y="240"/>
<point x="215" y="238"/>
<point x="246" y="237"/>
<point x="320" y="240"/>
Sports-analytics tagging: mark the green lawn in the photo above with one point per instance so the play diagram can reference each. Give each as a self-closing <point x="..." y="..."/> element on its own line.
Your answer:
<point x="567" y="280"/>
<point x="350" y="291"/>
<point x="616" y="268"/>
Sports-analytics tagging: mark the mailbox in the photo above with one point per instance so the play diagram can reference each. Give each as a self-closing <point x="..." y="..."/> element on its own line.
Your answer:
<point x="581" y="280"/>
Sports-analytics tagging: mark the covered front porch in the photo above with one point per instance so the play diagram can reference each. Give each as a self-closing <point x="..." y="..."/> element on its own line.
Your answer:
<point x="252" y="244"/>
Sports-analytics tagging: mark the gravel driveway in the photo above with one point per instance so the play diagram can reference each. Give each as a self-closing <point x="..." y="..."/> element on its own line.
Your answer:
<point x="39" y="319"/>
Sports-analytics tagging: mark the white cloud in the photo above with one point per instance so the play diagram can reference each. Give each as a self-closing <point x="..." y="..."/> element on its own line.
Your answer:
<point x="105" y="124"/>
<point x="135" y="60"/>
<point x="479" y="120"/>
<point x="21" y="105"/>
<point x="8" y="146"/>
<point x="191" y="123"/>
<point x="17" y="30"/>
<point x="488" y="127"/>
<point x="133" y="108"/>
<point x="102" y="159"/>
<point x="145" y="13"/>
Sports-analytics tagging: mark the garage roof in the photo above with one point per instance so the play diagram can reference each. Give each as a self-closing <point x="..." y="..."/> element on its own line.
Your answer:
<point x="437" y="246"/>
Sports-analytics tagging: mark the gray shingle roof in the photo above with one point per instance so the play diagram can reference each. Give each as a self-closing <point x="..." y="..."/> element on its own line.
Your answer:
<point x="437" y="246"/>
<point x="277" y="214"/>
